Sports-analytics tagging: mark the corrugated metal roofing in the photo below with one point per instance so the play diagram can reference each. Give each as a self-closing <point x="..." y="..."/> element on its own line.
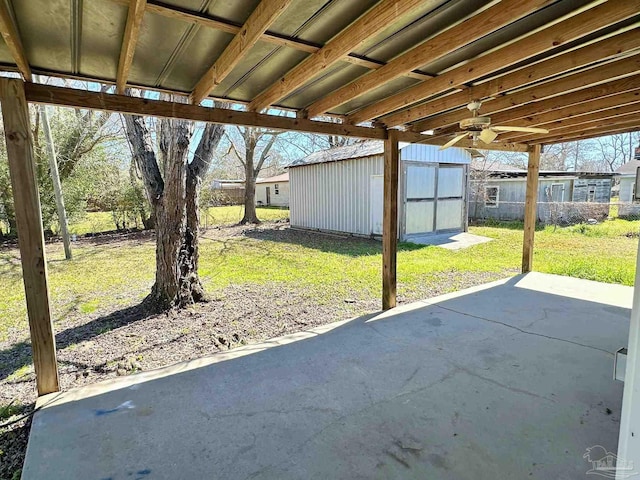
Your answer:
<point x="180" y="40"/>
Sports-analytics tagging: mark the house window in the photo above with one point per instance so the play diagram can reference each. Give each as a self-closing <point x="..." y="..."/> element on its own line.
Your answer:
<point x="591" y="193"/>
<point x="276" y="189"/>
<point x="491" y="196"/>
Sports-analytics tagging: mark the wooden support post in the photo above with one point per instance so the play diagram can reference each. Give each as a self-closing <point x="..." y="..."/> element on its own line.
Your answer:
<point x="30" y="235"/>
<point x="530" y="207"/>
<point x="390" y="220"/>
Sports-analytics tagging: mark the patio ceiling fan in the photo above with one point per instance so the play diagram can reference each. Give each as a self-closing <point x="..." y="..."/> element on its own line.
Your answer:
<point x="478" y="127"/>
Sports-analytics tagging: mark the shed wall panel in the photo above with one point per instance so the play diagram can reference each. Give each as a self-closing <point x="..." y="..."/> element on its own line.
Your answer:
<point x="334" y="196"/>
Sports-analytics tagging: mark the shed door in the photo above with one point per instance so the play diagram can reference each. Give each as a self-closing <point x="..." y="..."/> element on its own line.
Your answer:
<point x="376" y="203"/>
<point x="450" y="198"/>
<point x="420" y="198"/>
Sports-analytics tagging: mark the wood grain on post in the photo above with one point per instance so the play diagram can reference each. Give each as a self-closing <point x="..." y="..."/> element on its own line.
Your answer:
<point x="530" y="210"/>
<point x="390" y="220"/>
<point x="30" y="235"/>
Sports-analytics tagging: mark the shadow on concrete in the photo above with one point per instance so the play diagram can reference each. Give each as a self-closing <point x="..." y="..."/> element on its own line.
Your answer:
<point x="509" y="380"/>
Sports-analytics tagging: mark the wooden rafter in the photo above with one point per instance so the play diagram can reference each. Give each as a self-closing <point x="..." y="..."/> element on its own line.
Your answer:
<point x="195" y="18"/>
<point x="563" y="63"/>
<point x="377" y="18"/>
<point x="12" y="38"/>
<point x="610" y="128"/>
<point x="617" y="130"/>
<point x="579" y="110"/>
<point x="573" y="28"/>
<point x="623" y="120"/>
<point x="262" y="17"/>
<point x="561" y="108"/>
<point x="129" y="41"/>
<point x="599" y="75"/>
<point x="570" y="120"/>
<point x="445" y="42"/>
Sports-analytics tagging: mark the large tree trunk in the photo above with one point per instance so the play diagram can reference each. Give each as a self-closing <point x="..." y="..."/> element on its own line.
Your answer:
<point x="174" y="200"/>
<point x="250" y="214"/>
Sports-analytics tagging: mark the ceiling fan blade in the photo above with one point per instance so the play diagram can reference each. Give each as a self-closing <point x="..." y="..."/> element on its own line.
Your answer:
<point x="453" y="141"/>
<point x="488" y="135"/>
<point x="503" y="128"/>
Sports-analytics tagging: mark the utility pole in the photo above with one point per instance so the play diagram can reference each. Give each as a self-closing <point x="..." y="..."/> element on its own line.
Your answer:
<point x="55" y="177"/>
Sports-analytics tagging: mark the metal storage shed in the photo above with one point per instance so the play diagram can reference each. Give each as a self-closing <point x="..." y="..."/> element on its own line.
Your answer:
<point x="341" y="190"/>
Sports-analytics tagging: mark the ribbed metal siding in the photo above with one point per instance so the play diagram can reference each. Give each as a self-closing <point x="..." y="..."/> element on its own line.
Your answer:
<point x="334" y="196"/>
<point x="432" y="154"/>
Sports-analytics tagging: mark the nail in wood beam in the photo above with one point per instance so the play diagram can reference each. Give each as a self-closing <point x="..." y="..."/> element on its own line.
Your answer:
<point x="390" y="220"/>
<point x="530" y="210"/>
<point x="30" y="235"/>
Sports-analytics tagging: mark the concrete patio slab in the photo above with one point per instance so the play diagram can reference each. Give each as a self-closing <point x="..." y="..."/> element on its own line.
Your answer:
<point x="450" y="241"/>
<point x="509" y="380"/>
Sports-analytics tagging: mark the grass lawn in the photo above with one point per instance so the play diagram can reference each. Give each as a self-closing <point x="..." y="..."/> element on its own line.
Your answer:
<point x="111" y="275"/>
<point x="264" y="282"/>
<point x="96" y="222"/>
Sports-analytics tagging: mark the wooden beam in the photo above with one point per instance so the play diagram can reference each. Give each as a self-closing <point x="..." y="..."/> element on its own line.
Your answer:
<point x="68" y="97"/>
<point x="594" y="134"/>
<point x="611" y="115"/>
<point x="196" y="18"/>
<point x="565" y="62"/>
<point x="129" y="41"/>
<point x="561" y="33"/>
<point x="22" y="169"/>
<point x="436" y="47"/>
<point x="579" y="111"/>
<point x="262" y="17"/>
<point x="530" y="208"/>
<point x="380" y="16"/>
<point x="604" y="128"/>
<point x="600" y="81"/>
<point x="11" y="37"/>
<point x="390" y="220"/>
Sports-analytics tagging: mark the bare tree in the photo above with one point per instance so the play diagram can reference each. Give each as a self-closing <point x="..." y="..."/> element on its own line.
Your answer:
<point x="616" y="150"/>
<point x="172" y="184"/>
<point x="257" y="143"/>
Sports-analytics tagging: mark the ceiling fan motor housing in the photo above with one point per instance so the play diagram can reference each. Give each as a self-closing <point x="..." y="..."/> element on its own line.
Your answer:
<point x="475" y="123"/>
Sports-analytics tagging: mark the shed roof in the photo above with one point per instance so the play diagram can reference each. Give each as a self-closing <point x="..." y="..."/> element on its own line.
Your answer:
<point x="283" y="177"/>
<point x="417" y="152"/>
<point x="629" y="168"/>
<point x="522" y="174"/>
<point x="572" y="66"/>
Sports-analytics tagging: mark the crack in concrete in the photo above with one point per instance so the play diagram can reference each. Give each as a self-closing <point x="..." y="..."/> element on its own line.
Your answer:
<point x="521" y="330"/>
<point x="502" y="385"/>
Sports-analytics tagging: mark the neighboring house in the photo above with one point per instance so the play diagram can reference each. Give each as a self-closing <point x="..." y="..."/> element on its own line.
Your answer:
<point x="273" y="191"/>
<point x="341" y="190"/>
<point x="227" y="192"/>
<point x="563" y="197"/>
<point x="627" y="175"/>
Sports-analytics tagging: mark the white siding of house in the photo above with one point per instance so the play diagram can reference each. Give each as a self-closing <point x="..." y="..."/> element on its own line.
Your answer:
<point x="280" y="200"/>
<point x="334" y="196"/>
<point x="626" y="188"/>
